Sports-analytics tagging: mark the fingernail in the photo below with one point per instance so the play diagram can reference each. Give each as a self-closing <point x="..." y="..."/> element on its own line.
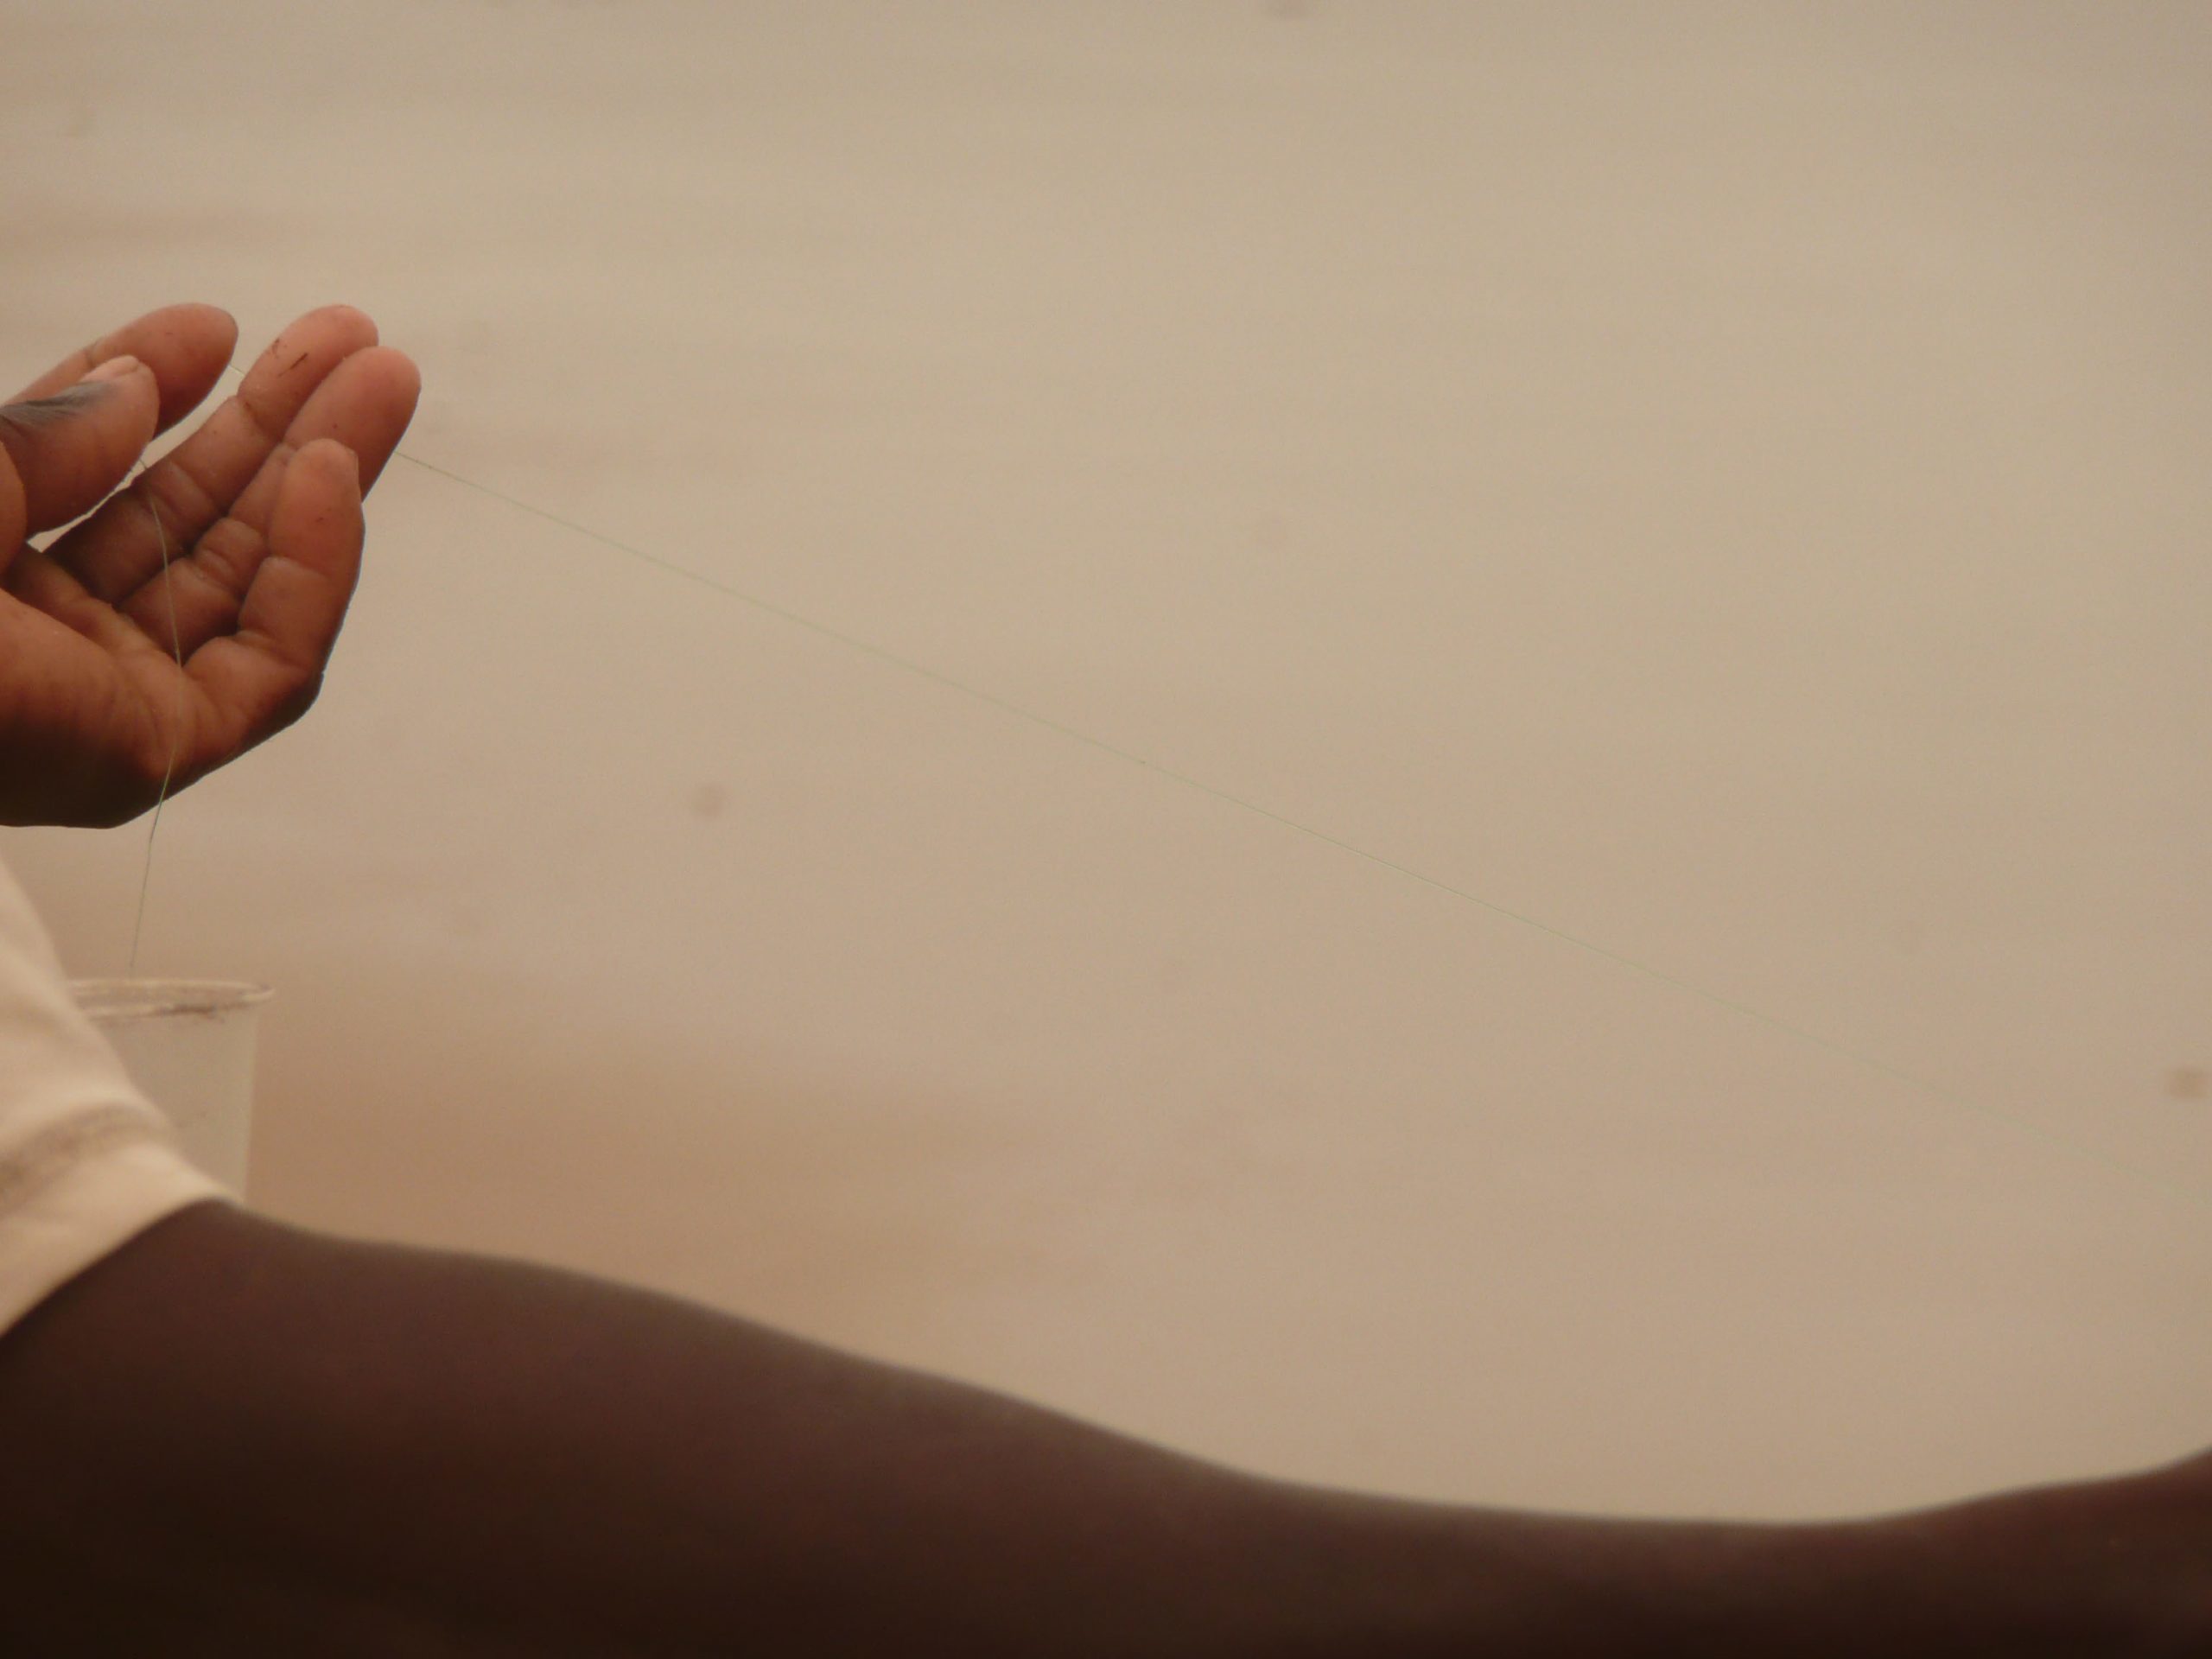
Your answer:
<point x="114" y="369"/>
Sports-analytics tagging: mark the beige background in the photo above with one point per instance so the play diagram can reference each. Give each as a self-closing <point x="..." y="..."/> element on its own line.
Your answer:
<point x="1726" y="485"/>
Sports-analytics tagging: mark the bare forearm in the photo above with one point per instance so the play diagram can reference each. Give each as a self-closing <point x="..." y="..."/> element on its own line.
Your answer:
<point x="245" y="1435"/>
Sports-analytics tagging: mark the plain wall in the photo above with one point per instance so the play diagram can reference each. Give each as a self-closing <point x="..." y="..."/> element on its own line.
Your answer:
<point x="1639" y="939"/>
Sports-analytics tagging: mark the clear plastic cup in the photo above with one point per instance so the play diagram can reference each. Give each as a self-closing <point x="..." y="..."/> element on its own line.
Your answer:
<point x="188" y="1044"/>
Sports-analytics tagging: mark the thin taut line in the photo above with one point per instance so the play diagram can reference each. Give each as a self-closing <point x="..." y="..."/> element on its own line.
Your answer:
<point x="176" y="645"/>
<point x="2192" y="1194"/>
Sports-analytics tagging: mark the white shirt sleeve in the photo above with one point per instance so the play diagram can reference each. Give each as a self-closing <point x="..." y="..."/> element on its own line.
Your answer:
<point x="87" y="1161"/>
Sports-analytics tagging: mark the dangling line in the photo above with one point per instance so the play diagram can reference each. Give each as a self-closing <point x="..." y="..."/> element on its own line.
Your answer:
<point x="176" y="645"/>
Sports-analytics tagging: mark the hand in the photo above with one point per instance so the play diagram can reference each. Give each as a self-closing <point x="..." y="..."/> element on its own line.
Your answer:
<point x="259" y="512"/>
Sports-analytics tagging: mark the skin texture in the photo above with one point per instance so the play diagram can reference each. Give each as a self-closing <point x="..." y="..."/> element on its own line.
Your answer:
<point x="234" y="1437"/>
<point x="259" y="513"/>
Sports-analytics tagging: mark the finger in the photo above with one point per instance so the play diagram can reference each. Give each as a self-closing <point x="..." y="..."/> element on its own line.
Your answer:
<point x="187" y="347"/>
<point x="264" y="676"/>
<point x="199" y="481"/>
<point x="366" y="406"/>
<point x="65" y="451"/>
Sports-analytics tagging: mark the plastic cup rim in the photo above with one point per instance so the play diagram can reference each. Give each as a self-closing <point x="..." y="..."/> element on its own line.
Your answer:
<point x="104" y="999"/>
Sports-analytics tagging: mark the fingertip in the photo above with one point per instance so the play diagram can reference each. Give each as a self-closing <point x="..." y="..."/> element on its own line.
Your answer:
<point x="388" y="374"/>
<point x="225" y="323"/>
<point x="321" y="478"/>
<point x="406" y="373"/>
<point x="116" y="368"/>
<point x="341" y="460"/>
<point x="351" y="314"/>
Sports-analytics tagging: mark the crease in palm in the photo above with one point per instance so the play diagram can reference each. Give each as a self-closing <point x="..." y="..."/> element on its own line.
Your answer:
<point x="187" y="613"/>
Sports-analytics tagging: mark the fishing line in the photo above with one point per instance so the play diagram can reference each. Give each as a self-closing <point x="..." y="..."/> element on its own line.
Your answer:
<point x="176" y="645"/>
<point x="1950" y="1097"/>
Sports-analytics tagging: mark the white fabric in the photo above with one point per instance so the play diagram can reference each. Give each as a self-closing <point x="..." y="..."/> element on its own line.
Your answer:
<point x="87" y="1161"/>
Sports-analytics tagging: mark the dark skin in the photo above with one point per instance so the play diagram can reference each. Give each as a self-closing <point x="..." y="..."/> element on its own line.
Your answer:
<point x="258" y="513"/>
<point x="235" y="1436"/>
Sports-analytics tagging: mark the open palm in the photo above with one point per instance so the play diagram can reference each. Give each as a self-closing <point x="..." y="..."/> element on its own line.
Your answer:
<point x="257" y="514"/>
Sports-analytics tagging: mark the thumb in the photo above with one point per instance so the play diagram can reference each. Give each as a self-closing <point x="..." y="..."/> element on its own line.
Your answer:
<point x="60" y="455"/>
